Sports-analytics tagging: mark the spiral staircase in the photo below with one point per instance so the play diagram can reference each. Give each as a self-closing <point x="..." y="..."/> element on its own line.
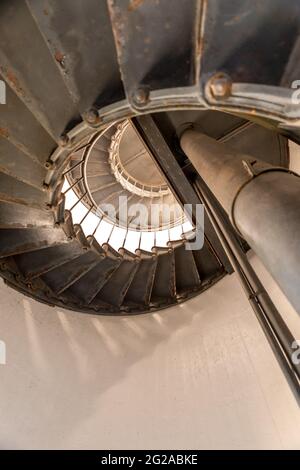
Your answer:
<point x="76" y="74"/>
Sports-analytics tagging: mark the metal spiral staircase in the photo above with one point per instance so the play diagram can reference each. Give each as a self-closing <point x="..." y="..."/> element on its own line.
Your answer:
<point x="60" y="152"/>
<point x="98" y="95"/>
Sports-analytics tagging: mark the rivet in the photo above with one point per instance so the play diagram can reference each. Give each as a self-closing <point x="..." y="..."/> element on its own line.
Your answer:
<point x="64" y="140"/>
<point x="92" y="116"/>
<point x="141" y="96"/>
<point x="220" y="86"/>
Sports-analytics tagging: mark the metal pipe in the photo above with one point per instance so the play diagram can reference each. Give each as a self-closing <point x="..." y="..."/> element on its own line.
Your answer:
<point x="277" y="333"/>
<point x="262" y="202"/>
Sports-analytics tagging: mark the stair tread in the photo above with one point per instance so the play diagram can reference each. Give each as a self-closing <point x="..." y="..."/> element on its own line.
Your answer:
<point x="46" y="96"/>
<point x="187" y="275"/>
<point x="90" y="284"/>
<point x="17" y="164"/>
<point x="25" y="132"/>
<point x="114" y="291"/>
<point x="16" y="191"/>
<point x="164" y="286"/>
<point x="61" y="278"/>
<point x="39" y="262"/>
<point x="13" y="215"/>
<point x="96" y="79"/>
<point x="16" y="241"/>
<point x="140" y="289"/>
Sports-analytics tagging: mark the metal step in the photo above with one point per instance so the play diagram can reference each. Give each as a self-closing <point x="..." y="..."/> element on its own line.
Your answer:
<point x="164" y="286"/>
<point x="18" y="125"/>
<point x="17" y="164"/>
<point x="109" y="189"/>
<point x="89" y="285"/>
<point x="16" y="191"/>
<point x="115" y="289"/>
<point x="35" y="264"/>
<point x="14" y="215"/>
<point x="96" y="184"/>
<point x="33" y="76"/>
<point x="139" y="292"/>
<point x="89" y="66"/>
<point x="16" y="241"/>
<point x="207" y="264"/>
<point x="187" y="275"/>
<point x="61" y="278"/>
<point x="137" y="27"/>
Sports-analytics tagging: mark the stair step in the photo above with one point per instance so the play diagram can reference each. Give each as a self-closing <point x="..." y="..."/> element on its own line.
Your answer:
<point x="115" y="289"/>
<point x="40" y="262"/>
<point x="149" y="68"/>
<point x="96" y="167"/>
<point x="16" y="191"/>
<point x="96" y="79"/>
<point x="187" y="276"/>
<point x="96" y="184"/>
<point x="89" y="285"/>
<point x="101" y="195"/>
<point x="16" y="241"/>
<point x="17" y="164"/>
<point x="164" y="286"/>
<point x="20" y="127"/>
<point x="207" y="263"/>
<point x="14" y="215"/>
<point x="61" y="278"/>
<point x="140" y="289"/>
<point x="33" y="76"/>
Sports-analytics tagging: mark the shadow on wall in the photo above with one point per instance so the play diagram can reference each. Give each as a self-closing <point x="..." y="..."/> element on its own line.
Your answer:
<point x="59" y="362"/>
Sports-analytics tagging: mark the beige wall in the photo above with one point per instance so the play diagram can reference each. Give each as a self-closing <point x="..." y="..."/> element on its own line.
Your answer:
<point x="200" y="375"/>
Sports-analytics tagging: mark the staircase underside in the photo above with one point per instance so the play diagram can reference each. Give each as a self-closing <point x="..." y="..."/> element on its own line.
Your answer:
<point x="91" y="67"/>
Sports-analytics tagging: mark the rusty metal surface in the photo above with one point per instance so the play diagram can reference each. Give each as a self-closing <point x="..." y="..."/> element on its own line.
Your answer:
<point x="164" y="286"/>
<point x="16" y="191"/>
<point x="17" y="164"/>
<point x="35" y="264"/>
<point x="15" y="241"/>
<point x="33" y="76"/>
<point x="19" y="126"/>
<point x="187" y="275"/>
<point x="140" y="289"/>
<point x="79" y="36"/>
<point x="86" y="288"/>
<point x="14" y="215"/>
<point x="62" y="277"/>
<point x="251" y="40"/>
<point x="157" y="44"/>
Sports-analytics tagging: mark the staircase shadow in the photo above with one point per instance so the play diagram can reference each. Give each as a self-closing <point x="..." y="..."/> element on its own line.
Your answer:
<point x="70" y="360"/>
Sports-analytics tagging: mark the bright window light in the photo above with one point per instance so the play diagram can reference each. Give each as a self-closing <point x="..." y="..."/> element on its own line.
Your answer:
<point x="79" y="212"/>
<point x="89" y="224"/>
<point x="147" y="241"/>
<point x="71" y="199"/>
<point x="132" y="241"/>
<point x="162" y="238"/>
<point x="103" y="232"/>
<point x="117" y="238"/>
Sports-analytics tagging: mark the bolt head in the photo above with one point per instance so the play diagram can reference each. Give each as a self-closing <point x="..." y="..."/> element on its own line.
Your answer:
<point x="220" y="86"/>
<point x="141" y="96"/>
<point x="63" y="140"/>
<point x="92" y="116"/>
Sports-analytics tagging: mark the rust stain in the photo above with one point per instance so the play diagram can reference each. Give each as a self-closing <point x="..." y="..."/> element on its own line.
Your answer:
<point x="13" y="80"/>
<point x="4" y="132"/>
<point x="134" y="4"/>
<point x="117" y="26"/>
<point x="60" y="57"/>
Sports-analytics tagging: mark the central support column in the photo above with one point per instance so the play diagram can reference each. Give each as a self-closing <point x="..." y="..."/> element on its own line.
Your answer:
<point x="262" y="201"/>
